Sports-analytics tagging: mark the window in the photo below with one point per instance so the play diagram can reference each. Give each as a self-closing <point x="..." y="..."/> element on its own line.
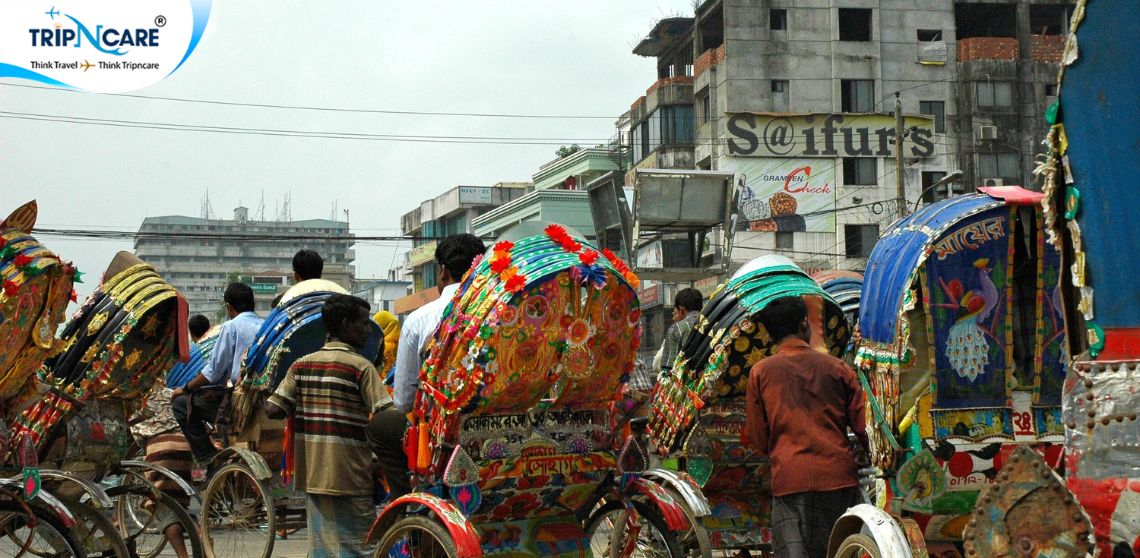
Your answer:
<point x="779" y="95"/>
<point x="994" y="93"/>
<point x="777" y="19"/>
<point x="706" y="107"/>
<point x="999" y="165"/>
<point x="937" y="109"/>
<point x="858" y="95"/>
<point x="1050" y="89"/>
<point x="785" y="240"/>
<point x="859" y="240"/>
<point x="929" y="193"/>
<point x="859" y="171"/>
<point x="676" y="124"/>
<point x="928" y="35"/>
<point x="854" y="24"/>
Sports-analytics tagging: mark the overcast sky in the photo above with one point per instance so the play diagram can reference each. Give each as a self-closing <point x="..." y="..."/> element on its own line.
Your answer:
<point x="518" y="57"/>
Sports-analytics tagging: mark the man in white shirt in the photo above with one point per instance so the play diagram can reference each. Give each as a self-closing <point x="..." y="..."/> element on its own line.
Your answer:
<point x="386" y="430"/>
<point x="308" y="266"/>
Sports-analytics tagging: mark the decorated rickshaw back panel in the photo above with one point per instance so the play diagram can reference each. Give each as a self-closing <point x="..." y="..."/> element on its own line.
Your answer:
<point x="35" y="286"/>
<point x="738" y="486"/>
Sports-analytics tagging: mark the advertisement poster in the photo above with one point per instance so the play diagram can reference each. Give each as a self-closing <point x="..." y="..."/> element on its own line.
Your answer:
<point x="785" y="195"/>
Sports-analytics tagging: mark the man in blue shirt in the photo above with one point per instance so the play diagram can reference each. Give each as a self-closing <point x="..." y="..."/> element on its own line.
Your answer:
<point x="197" y="402"/>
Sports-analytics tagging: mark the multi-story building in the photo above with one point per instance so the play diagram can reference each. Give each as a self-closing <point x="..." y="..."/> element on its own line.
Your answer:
<point x="381" y="294"/>
<point x="451" y="212"/>
<point x="200" y="256"/>
<point x="797" y="98"/>
<point x="559" y="194"/>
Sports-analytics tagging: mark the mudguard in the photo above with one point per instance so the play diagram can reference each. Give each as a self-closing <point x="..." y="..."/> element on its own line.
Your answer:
<point x="683" y="485"/>
<point x="251" y="458"/>
<point x="94" y="491"/>
<point x="461" y="530"/>
<point x="886" y="531"/>
<point x="16" y="486"/>
<point x="167" y="473"/>
<point x="670" y="509"/>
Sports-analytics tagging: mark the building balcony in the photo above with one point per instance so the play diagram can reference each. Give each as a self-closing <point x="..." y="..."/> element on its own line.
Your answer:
<point x="988" y="48"/>
<point x="709" y="59"/>
<point x="668" y="91"/>
<point x="567" y="207"/>
<point x="582" y="166"/>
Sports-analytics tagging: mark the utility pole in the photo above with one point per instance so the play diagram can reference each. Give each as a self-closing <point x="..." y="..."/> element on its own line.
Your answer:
<point x="899" y="182"/>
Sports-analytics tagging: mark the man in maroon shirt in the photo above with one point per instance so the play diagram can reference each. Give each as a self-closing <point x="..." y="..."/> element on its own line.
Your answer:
<point x="801" y="403"/>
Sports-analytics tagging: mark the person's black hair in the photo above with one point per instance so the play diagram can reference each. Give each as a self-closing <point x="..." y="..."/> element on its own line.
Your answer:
<point x="341" y="307"/>
<point x="690" y="299"/>
<point x="782" y="317"/>
<point x="240" y="297"/>
<point x="456" y="252"/>
<point x="308" y="264"/>
<point x="198" y="325"/>
<point x="276" y="300"/>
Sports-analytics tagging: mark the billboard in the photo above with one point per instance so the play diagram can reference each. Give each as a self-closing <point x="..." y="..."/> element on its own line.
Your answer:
<point x="826" y="135"/>
<point x="784" y="195"/>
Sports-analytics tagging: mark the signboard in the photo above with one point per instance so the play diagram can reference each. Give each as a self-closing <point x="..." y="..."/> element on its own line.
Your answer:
<point x="785" y="195"/>
<point x="422" y="254"/>
<point x="475" y="194"/>
<point x="415" y="300"/>
<point x="707" y="285"/>
<point x="649" y="296"/>
<point x="826" y="135"/>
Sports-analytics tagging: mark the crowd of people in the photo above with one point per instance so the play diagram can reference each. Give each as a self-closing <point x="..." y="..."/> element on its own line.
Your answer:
<point x="350" y="414"/>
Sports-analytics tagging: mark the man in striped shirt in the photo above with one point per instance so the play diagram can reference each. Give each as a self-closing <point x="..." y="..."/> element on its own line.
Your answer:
<point x="331" y="395"/>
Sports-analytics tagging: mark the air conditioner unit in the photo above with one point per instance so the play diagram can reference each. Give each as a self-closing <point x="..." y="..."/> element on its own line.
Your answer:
<point x="992" y="182"/>
<point x="987" y="133"/>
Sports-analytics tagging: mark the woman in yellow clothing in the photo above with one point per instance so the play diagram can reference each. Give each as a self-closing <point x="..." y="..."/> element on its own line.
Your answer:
<point x="391" y="328"/>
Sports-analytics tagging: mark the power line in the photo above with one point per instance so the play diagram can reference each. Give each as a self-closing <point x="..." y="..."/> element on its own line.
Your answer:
<point x="316" y="108"/>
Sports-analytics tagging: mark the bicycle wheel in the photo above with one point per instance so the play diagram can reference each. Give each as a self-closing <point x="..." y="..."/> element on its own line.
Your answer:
<point x="97" y="535"/>
<point x="133" y="517"/>
<point x="238" y="518"/>
<point x="608" y="533"/>
<point x="858" y="546"/>
<point x="416" y="536"/>
<point x="34" y="531"/>
<point x="144" y="515"/>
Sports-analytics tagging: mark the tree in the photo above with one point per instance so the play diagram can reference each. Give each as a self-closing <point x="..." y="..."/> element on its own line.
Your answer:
<point x="566" y="151"/>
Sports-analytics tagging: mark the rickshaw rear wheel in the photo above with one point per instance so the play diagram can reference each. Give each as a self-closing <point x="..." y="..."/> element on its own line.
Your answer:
<point x="416" y="536"/>
<point x="140" y="510"/>
<point x="48" y="537"/>
<point x="695" y="542"/>
<point x="655" y="539"/>
<point x="237" y="518"/>
<point x="858" y="545"/>
<point x="96" y="533"/>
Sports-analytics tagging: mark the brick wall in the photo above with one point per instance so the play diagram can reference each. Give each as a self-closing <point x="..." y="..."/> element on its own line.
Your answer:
<point x="708" y="59"/>
<point x="678" y="80"/>
<point x="988" y="48"/>
<point x="1046" y="48"/>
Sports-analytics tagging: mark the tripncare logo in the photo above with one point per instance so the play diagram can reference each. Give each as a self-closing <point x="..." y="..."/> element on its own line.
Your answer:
<point x="108" y="46"/>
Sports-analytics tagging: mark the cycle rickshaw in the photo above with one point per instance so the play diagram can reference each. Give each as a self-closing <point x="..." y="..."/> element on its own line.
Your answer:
<point x="36" y="289"/>
<point x="963" y="359"/>
<point x="697" y="415"/>
<point x="512" y="444"/>
<point x="128" y="332"/>
<point x="247" y="501"/>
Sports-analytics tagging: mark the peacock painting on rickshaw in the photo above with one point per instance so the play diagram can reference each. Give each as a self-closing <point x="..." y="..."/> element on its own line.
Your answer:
<point x="963" y="359"/>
